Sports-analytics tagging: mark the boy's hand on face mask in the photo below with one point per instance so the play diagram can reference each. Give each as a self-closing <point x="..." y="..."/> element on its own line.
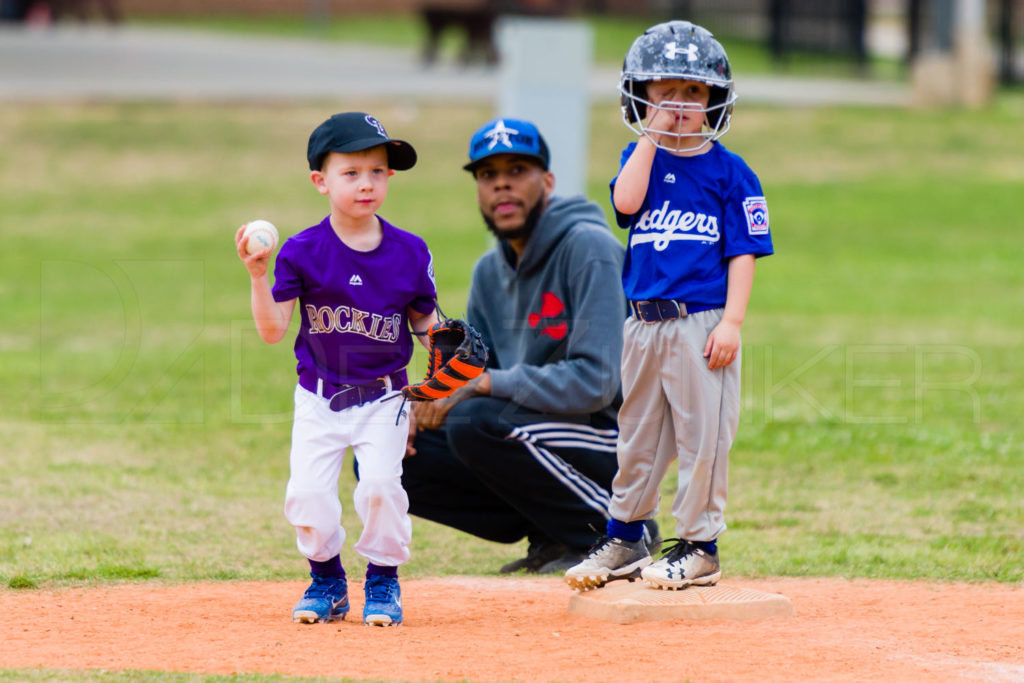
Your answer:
<point x="662" y="124"/>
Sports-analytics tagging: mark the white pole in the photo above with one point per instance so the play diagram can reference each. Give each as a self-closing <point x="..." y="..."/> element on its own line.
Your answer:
<point x="970" y="16"/>
<point x="544" y="77"/>
<point x="975" y="63"/>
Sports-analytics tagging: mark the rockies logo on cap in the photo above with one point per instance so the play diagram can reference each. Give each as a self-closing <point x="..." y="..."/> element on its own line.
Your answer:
<point x="353" y="132"/>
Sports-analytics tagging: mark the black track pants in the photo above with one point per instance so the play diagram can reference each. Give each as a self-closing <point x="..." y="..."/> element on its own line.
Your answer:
<point x="502" y="473"/>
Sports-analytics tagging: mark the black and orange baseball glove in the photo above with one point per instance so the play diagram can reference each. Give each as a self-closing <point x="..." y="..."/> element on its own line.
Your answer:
<point x="457" y="355"/>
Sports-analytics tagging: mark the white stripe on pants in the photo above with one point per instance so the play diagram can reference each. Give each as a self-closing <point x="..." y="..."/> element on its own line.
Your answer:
<point x="320" y="437"/>
<point x="675" y="408"/>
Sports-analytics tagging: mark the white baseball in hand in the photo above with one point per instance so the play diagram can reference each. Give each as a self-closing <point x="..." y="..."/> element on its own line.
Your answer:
<point x="262" y="235"/>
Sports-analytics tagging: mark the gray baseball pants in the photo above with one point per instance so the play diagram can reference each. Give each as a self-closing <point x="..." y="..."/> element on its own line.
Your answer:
<point x="674" y="408"/>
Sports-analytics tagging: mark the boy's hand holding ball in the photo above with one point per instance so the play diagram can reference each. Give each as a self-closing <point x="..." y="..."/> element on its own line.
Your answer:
<point x="255" y="241"/>
<point x="261" y="235"/>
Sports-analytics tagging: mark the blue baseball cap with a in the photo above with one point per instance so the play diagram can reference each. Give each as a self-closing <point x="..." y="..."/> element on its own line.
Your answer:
<point x="507" y="136"/>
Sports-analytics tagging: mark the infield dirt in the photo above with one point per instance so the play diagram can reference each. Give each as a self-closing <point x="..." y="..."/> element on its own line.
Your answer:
<point x="517" y="629"/>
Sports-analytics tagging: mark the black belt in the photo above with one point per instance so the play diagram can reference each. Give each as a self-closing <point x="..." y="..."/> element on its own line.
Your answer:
<point x="657" y="310"/>
<point x="344" y="396"/>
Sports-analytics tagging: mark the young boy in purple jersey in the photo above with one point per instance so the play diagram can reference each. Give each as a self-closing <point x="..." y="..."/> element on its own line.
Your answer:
<point x="697" y="221"/>
<point x="360" y="283"/>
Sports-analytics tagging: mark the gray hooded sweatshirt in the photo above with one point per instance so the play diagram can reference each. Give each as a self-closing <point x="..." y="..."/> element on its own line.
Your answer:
<point x="553" y="324"/>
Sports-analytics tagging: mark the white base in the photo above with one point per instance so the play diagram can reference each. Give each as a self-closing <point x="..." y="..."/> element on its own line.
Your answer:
<point x="623" y="602"/>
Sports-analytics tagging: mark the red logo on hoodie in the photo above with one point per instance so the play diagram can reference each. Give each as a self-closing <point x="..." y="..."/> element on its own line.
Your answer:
<point x="550" y="307"/>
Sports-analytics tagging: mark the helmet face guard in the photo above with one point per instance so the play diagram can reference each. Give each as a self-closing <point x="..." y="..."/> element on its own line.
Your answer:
<point x="685" y="51"/>
<point x="717" y="116"/>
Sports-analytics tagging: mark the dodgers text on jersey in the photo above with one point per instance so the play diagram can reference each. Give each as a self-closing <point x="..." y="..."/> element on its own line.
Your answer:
<point x="665" y="224"/>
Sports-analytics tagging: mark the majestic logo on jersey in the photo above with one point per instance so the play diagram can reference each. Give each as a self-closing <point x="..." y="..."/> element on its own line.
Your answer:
<point x="756" y="211"/>
<point x="551" y="307"/>
<point x="325" y="319"/>
<point x="670" y="178"/>
<point x="355" y="280"/>
<point x="376" y="124"/>
<point x="430" y="269"/>
<point x="500" y="133"/>
<point x="671" y="51"/>
<point x="665" y="224"/>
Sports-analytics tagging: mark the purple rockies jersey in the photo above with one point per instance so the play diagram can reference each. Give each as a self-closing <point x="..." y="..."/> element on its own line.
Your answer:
<point x="353" y="303"/>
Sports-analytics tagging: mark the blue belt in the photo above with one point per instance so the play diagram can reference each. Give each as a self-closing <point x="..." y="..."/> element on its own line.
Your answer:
<point x="344" y="396"/>
<point x="657" y="310"/>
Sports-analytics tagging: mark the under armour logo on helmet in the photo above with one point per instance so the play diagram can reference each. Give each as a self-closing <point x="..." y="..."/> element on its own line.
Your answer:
<point x="376" y="124"/>
<point x="500" y="133"/>
<point x="671" y="51"/>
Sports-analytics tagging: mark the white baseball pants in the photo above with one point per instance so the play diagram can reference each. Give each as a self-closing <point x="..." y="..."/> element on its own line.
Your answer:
<point x="320" y="437"/>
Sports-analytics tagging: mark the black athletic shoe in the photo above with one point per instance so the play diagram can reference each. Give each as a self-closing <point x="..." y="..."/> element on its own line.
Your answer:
<point x="538" y="554"/>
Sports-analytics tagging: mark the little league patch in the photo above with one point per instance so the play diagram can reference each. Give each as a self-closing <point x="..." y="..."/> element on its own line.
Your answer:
<point x="756" y="211"/>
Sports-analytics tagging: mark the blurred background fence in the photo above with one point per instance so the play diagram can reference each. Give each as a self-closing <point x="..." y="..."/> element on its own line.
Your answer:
<point x="842" y="28"/>
<point x="850" y="30"/>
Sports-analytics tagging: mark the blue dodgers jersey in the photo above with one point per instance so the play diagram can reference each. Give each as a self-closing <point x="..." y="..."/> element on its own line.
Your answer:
<point x="699" y="212"/>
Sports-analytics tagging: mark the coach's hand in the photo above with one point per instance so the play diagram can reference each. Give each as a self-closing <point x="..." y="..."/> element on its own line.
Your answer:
<point x="432" y="414"/>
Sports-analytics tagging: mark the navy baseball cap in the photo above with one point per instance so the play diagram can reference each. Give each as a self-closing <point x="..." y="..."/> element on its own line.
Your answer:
<point x="355" y="131"/>
<point x="507" y="136"/>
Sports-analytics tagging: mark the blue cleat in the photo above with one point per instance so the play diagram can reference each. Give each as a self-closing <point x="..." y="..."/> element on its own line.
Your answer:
<point x="383" y="601"/>
<point x="324" y="600"/>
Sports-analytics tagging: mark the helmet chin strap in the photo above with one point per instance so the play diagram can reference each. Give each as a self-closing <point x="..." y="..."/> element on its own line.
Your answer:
<point x="705" y="137"/>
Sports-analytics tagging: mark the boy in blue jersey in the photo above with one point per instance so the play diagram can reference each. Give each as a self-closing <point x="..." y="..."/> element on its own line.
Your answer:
<point x="697" y="221"/>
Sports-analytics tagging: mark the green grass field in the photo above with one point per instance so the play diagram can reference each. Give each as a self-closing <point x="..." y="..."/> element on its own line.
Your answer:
<point x="145" y="426"/>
